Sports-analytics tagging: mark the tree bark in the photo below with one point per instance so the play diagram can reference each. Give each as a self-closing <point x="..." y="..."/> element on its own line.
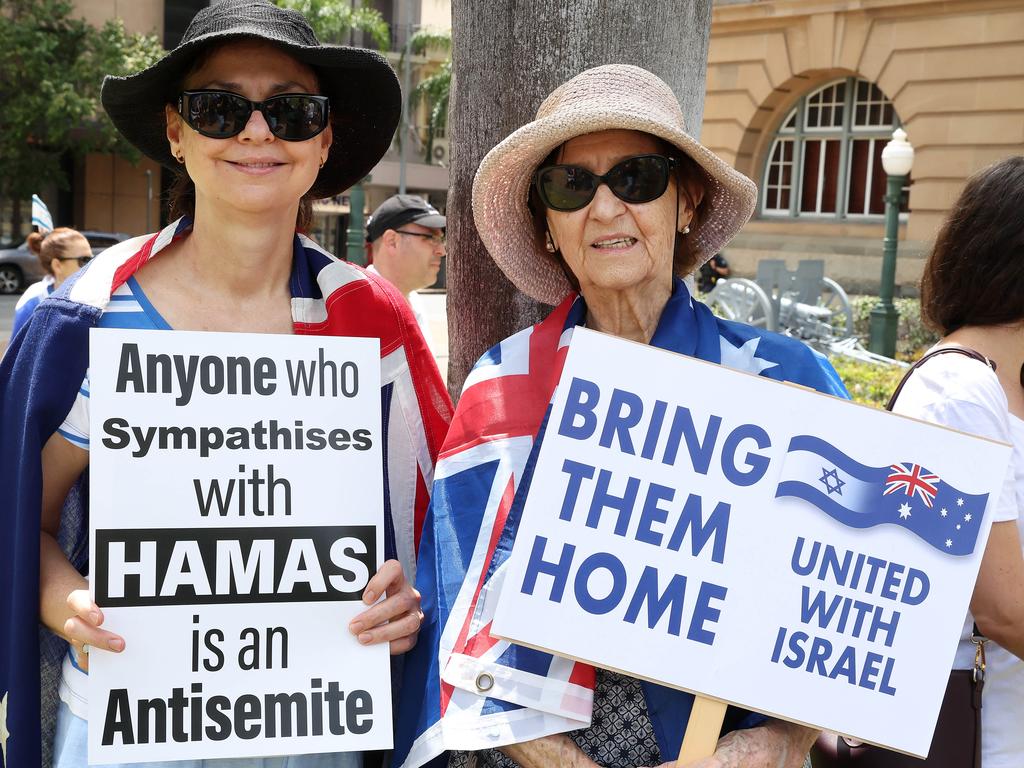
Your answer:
<point x="508" y="55"/>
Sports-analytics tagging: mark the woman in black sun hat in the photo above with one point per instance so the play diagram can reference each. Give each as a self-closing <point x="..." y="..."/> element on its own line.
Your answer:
<point x="257" y="119"/>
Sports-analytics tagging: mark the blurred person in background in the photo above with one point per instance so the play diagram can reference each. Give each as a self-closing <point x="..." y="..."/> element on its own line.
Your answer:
<point x="61" y="253"/>
<point x="406" y="235"/>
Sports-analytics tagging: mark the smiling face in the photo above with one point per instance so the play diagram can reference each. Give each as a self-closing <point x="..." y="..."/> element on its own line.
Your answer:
<point x="253" y="172"/>
<point x="610" y="244"/>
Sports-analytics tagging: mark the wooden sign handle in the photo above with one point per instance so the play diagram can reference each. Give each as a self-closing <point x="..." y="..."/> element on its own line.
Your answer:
<point x="702" y="730"/>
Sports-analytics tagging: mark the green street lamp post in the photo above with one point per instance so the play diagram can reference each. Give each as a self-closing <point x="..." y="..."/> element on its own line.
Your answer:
<point x="355" y="237"/>
<point x="897" y="160"/>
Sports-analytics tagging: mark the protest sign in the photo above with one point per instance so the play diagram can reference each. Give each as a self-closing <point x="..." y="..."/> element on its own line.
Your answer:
<point x="236" y="500"/>
<point x="750" y="541"/>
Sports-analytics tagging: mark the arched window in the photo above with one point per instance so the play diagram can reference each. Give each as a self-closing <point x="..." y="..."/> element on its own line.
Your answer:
<point x="826" y="159"/>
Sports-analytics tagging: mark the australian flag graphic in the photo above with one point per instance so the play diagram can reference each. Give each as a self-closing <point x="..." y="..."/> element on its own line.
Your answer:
<point x="903" y="494"/>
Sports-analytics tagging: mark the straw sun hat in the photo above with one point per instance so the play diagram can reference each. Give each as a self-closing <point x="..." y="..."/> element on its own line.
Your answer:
<point x="366" y="100"/>
<point x="604" y="98"/>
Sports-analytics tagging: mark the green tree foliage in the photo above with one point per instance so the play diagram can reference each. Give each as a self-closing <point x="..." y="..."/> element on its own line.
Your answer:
<point x="334" y="20"/>
<point x="53" y="64"/>
<point x="434" y="89"/>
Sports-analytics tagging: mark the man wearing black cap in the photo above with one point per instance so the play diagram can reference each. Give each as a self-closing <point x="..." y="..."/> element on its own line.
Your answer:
<point x="407" y="236"/>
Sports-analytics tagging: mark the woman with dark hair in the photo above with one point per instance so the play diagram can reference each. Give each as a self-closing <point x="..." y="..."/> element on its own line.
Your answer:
<point x="972" y="292"/>
<point x="61" y="253"/>
<point x="257" y="119"/>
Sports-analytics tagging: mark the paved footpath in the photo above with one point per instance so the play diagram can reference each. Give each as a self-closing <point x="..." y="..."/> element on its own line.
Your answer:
<point x="6" y="318"/>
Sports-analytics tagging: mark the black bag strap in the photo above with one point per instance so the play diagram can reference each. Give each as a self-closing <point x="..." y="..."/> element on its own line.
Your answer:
<point x="935" y="352"/>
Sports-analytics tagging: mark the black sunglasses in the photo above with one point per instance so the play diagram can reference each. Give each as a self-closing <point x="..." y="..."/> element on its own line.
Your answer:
<point x="637" y="179"/>
<point x="223" y="114"/>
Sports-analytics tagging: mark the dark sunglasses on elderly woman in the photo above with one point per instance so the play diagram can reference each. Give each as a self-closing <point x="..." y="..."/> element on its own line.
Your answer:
<point x="223" y="114"/>
<point x="637" y="179"/>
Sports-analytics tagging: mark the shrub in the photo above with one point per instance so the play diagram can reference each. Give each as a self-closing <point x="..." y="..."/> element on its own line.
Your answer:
<point x="913" y="337"/>
<point x="868" y="383"/>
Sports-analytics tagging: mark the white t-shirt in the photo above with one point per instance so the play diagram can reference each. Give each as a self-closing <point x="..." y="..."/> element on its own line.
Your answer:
<point x="956" y="391"/>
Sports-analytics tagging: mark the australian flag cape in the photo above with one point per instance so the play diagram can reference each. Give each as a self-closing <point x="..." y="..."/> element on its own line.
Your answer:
<point x="39" y="378"/>
<point x="480" y="692"/>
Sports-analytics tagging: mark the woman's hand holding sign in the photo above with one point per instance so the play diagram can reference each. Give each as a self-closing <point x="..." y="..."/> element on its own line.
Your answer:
<point x="83" y="628"/>
<point x="65" y="606"/>
<point x="397" y="618"/>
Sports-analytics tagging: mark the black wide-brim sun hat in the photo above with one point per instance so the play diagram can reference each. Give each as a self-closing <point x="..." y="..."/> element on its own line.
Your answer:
<point x="365" y="97"/>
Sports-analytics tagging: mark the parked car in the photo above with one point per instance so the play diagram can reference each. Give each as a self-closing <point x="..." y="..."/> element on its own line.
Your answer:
<point x="19" y="267"/>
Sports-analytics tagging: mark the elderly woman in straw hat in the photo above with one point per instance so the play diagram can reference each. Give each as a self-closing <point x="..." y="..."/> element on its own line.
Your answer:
<point x="256" y="119"/>
<point x="600" y="206"/>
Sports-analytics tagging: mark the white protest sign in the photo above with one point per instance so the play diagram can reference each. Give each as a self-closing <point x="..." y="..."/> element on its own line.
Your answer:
<point x="751" y="541"/>
<point x="236" y="502"/>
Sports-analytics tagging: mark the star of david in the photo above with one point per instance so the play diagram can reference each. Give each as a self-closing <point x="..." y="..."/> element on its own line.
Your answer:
<point x="828" y="475"/>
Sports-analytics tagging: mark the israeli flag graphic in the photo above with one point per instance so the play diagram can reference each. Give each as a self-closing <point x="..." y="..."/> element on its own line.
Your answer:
<point x="903" y="494"/>
<point x="41" y="215"/>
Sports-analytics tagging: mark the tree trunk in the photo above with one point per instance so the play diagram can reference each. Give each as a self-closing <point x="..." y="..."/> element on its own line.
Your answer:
<point x="508" y="55"/>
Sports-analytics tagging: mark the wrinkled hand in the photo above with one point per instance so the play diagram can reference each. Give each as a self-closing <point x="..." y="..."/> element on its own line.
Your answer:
<point x="776" y="744"/>
<point x="83" y="629"/>
<point x="397" y="618"/>
<point x="707" y="762"/>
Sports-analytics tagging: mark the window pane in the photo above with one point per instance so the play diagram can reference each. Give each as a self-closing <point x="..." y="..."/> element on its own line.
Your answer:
<point x="878" y="181"/>
<point x="860" y="159"/>
<point x="784" y="199"/>
<point x="809" y="198"/>
<point x="830" y="179"/>
<point x="778" y="174"/>
<point x="871" y="109"/>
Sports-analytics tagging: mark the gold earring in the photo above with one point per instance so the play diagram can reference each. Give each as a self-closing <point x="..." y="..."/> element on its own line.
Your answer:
<point x="180" y="158"/>
<point x="323" y="161"/>
<point x="549" y="244"/>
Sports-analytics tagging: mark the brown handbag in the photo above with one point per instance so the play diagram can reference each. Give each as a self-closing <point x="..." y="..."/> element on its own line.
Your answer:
<point x="957" y="739"/>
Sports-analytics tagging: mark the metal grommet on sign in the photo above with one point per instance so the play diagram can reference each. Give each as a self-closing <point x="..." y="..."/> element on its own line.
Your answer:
<point x="484" y="682"/>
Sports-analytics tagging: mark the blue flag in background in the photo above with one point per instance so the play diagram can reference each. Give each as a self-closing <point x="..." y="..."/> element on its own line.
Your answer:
<point x="41" y="215"/>
<point x="903" y="494"/>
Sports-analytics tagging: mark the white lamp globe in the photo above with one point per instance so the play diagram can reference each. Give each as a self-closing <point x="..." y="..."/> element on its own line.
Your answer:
<point x="898" y="155"/>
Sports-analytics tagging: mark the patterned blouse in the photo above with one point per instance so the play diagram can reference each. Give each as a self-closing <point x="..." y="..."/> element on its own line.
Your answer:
<point x="620" y="734"/>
